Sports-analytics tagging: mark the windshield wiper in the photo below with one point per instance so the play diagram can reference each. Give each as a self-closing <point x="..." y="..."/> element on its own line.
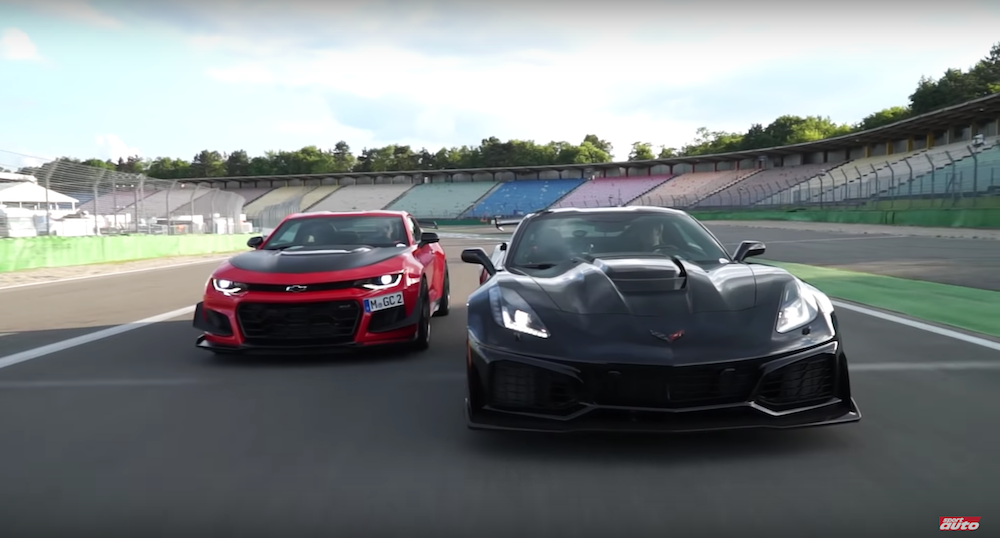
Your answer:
<point x="536" y="265"/>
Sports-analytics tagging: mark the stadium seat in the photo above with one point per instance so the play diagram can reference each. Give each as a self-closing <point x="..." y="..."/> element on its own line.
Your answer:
<point x="966" y="175"/>
<point x="522" y="197"/>
<point x="316" y="195"/>
<point x="687" y="189"/>
<point x="273" y="197"/>
<point x="762" y="185"/>
<point x="442" y="200"/>
<point x="610" y="191"/>
<point x="361" y="197"/>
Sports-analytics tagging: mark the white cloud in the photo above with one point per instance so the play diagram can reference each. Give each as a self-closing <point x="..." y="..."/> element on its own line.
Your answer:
<point x="541" y="95"/>
<point x="112" y="147"/>
<point x="16" y="45"/>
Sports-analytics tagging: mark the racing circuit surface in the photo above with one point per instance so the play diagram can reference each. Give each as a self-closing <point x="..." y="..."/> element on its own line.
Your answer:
<point x="143" y="434"/>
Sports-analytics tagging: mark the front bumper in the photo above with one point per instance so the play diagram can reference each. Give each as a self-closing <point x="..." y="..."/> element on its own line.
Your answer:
<point x="804" y="389"/>
<point x="323" y="330"/>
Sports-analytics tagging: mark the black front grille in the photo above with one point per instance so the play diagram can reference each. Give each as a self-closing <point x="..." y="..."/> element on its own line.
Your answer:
<point x="283" y="288"/>
<point x="672" y="387"/>
<point x="316" y="323"/>
<point x="804" y="382"/>
<point x="519" y="386"/>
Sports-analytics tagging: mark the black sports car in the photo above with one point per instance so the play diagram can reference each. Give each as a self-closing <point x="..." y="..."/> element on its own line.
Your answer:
<point x="636" y="318"/>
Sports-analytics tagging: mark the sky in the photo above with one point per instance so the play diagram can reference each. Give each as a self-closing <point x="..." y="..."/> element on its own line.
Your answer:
<point x="108" y="79"/>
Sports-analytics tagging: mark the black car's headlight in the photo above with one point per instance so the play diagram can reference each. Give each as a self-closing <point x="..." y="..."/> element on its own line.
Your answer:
<point x="511" y="311"/>
<point x="798" y="308"/>
<point x="382" y="282"/>
<point x="228" y="287"/>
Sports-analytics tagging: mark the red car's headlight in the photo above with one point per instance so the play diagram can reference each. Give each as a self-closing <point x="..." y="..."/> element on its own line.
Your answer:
<point x="382" y="282"/>
<point x="228" y="287"/>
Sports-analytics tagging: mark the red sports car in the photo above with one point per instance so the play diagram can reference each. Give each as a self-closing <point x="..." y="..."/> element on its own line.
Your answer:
<point x="322" y="281"/>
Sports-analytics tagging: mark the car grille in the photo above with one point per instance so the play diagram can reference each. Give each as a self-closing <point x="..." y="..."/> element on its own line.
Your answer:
<point x="672" y="387"/>
<point x="804" y="382"/>
<point x="316" y="323"/>
<point x="519" y="386"/>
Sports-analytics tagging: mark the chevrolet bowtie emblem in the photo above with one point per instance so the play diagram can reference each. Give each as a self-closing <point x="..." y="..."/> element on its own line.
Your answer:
<point x="668" y="338"/>
<point x="296" y="288"/>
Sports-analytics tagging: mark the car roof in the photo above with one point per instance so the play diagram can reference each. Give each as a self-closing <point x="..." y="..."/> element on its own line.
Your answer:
<point x="605" y="210"/>
<point x="334" y="214"/>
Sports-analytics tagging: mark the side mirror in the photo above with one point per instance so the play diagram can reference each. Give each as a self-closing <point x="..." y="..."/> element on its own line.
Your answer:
<point x="427" y="238"/>
<point x="748" y="249"/>
<point x="255" y="242"/>
<point x="478" y="256"/>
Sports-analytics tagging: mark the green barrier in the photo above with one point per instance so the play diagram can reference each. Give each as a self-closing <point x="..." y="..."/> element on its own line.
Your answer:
<point x="17" y="254"/>
<point x="934" y="218"/>
<point x="966" y="308"/>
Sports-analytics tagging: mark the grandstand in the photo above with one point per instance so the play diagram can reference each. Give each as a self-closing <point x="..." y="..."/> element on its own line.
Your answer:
<point x="272" y="197"/>
<point x="962" y="176"/>
<point x="442" y="200"/>
<point x="687" y="189"/>
<point x="317" y="195"/>
<point x="112" y="202"/>
<point x="766" y="183"/>
<point x="362" y="197"/>
<point x="165" y="201"/>
<point x="522" y="197"/>
<point x="250" y="194"/>
<point x="923" y="155"/>
<point x="611" y="191"/>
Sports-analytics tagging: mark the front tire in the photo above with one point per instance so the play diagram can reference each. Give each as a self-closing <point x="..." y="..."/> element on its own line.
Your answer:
<point x="444" y="304"/>
<point x="423" y="339"/>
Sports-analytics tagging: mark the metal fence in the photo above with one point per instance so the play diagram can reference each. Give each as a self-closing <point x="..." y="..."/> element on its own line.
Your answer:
<point x="71" y="199"/>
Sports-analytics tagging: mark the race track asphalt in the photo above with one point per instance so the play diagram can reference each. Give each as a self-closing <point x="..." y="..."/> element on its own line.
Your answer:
<point x="141" y="434"/>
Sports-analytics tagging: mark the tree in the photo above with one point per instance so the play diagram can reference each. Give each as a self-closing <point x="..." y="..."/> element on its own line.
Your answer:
<point x="208" y="164"/>
<point x="884" y="117"/>
<point x="641" y="151"/>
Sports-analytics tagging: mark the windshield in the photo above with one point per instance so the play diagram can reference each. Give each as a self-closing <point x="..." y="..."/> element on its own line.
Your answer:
<point x="338" y="232"/>
<point x="551" y="240"/>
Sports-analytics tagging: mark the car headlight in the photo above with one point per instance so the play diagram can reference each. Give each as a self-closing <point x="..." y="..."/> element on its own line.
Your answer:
<point x="510" y="310"/>
<point x="798" y="308"/>
<point x="228" y="287"/>
<point x="382" y="282"/>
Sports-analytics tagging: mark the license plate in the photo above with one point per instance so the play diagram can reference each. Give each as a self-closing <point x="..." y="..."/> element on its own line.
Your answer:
<point x="384" y="301"/>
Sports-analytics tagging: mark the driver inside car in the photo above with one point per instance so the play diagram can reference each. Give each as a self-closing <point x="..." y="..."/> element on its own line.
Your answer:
<point x="646" y="236"/>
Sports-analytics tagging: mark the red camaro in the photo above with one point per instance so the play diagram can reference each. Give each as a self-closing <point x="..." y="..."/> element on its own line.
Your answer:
<point x="327" y="280"/>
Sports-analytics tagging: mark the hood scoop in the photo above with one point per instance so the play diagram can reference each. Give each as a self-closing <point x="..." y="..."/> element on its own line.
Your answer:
<point x="326" y="251"/>
<point x="644" y="275"/>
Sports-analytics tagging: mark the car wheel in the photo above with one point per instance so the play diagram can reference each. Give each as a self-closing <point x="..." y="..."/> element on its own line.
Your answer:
<point x="423" y="340"/>
<point x="444" y="304"/>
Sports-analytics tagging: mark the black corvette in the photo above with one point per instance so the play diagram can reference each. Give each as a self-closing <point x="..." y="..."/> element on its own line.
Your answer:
<point x="637" y="319"/>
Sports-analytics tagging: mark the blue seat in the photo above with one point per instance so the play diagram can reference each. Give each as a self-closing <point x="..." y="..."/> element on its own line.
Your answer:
<point x="522" y="196"/>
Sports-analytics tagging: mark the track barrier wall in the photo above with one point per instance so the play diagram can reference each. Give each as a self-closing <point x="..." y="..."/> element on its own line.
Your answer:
<point x="18" y="254"/>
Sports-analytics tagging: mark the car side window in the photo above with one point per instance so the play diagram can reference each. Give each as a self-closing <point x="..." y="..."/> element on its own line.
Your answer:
<point x="288" y="234"/>
<point x="414" y="229"/>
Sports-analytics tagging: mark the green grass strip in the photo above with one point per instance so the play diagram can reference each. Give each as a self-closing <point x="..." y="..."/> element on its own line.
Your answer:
<point x="966" y="308"/>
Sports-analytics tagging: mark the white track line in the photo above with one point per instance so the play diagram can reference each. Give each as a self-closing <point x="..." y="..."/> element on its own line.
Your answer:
<point x="922" y="366"/>
<point x="982" y="342"/>
<point x="16" y="358"/>
<point x="102" y="275"/>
